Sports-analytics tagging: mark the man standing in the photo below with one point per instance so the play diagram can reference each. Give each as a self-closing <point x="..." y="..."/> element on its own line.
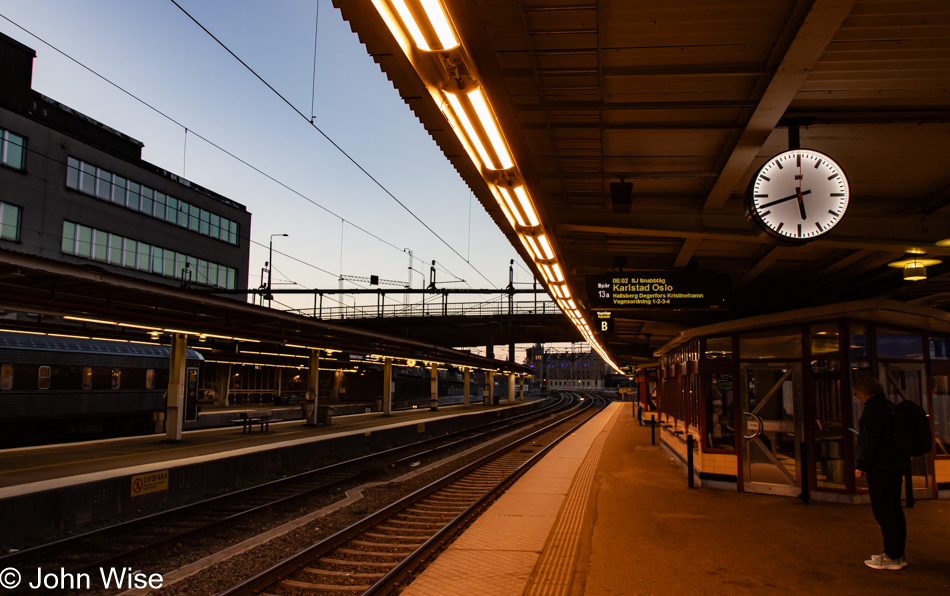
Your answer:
<point x="877" y="459"/>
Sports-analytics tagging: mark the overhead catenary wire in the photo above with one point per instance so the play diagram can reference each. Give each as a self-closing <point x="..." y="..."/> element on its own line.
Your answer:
<point x="329" y="140"/>
<point x="215" y="145"/>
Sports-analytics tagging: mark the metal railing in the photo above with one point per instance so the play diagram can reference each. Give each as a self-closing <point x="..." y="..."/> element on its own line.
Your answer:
<point x="436" y="308"/>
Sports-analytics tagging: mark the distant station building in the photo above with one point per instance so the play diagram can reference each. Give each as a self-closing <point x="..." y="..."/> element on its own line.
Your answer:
<point x="566" y="370"/>
<point x="72" y="189"/>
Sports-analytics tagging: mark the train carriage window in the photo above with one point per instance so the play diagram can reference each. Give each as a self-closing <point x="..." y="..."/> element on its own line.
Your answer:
<point x="116" y="378"/>
<point x="87" y="377"/>
<point x="150" y="379"/>
<point x="43" y="377"/>
<point x="6" y="376"/>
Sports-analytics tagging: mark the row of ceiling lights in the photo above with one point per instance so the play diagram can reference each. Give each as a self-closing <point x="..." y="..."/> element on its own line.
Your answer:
<point x="423" y="30"/>
<point x="155" y="333"/>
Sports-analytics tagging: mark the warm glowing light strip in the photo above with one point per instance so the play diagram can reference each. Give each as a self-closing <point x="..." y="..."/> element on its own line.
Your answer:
<point x="90" y="320"/>
<point x="526" y="205"/>
<point x="410" y="24"/>
<point x="491" y="129"/>
<point x="440" y="23"/>
<point x="505" y="207"/>
<point x="274" y="354"/>
<point x="558" y="275"/>
<point x="27" y="332"/>
<point x="469" y="129"/>
<point x="140" y="327"/>
<point x="566" y="291"/>
<point x="511" y="205"/>
<point x="180" y="331"/>
<point x="535" y="250"/>
<point x="548" y="274"/>
<point x="545" y="247"/>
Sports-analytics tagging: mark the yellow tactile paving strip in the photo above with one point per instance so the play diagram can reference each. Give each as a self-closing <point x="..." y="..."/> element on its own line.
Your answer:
<point x="497" y="554"/>
<point x="554" y="572"/>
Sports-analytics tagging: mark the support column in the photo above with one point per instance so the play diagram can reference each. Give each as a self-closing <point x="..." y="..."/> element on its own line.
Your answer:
<point x="388" y="387"/>
<point x="489" y="387"/>
<point x="434" y="388"/>
<point x="175" y="401"/>
<point x="521" y="393"/>
<point x="511" y="388"/>
<point x="313" y="387"/>
<point x="222" y="383"/>
<point x="466" y="390"/>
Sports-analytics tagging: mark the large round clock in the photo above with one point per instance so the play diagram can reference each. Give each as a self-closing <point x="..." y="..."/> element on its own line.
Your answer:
<point x="798" y="195"/>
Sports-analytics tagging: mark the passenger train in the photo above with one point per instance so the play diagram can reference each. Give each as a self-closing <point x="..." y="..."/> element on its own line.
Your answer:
<point x="56" y="389"/>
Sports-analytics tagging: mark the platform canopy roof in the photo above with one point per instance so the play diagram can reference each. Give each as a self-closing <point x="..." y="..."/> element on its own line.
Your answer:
<point x="39" y="295"/>
<point x="686" y="99"/>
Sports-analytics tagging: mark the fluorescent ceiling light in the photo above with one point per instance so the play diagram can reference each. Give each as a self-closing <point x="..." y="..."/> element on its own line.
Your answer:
<point x="84" y="320"/>
<point x="491" y="129"/>
<point x="469" y="129"/>
<point x="527" y="206"/>
<point x="557" y="272"/>
<point x="410" y="24"/>
<point x="511" y="205"/>
<point x="440" y="22"/>
<point x="536" y="252"/>
<point x="506" y="208"/>
<point x="545" y="247"/>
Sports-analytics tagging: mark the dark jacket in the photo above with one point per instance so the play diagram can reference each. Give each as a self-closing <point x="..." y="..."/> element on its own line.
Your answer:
<point x="876" y="436"/>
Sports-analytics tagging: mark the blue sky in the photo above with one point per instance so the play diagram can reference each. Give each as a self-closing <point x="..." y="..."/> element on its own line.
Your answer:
<point x="152" y="50"/>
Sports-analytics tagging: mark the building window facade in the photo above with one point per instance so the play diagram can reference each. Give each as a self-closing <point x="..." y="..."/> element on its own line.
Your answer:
<point x="98" y="245"/>
<point x="12" y="150"/>
<point x="9" y="221"/>
<point x="96" y="182"/>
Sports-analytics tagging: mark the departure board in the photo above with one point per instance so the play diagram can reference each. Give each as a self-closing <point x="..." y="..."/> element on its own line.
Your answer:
<point x="666" y="290"/>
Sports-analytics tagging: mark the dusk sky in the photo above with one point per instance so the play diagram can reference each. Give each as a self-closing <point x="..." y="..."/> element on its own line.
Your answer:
<point x="155" y="52"/>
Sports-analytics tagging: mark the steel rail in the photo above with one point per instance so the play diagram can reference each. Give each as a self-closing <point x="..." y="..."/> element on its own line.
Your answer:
<point x="294" y="563"/>
<point x="129" y="526"/>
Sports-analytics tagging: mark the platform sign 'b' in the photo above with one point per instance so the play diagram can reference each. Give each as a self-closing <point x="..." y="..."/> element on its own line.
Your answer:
<point x="605" y="321"/>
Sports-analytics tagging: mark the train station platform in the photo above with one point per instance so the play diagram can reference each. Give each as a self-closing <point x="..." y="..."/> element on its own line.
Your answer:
<point x="52" y="488"/>
<point x="606" y="513"/>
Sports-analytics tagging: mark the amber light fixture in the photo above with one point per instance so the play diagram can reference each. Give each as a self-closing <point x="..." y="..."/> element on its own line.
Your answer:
<point x="425" y="32"/>
<point x="915" y="266"/>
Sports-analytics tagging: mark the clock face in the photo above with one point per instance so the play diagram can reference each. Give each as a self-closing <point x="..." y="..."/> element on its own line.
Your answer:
<point x="798" y="195"/>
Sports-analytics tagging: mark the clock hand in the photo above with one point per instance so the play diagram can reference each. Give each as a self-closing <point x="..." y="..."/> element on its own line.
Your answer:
<point x="788" y="198"/>
<point x="801" y="203"/>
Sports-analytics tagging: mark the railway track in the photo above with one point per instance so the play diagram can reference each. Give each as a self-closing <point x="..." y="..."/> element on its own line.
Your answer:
<point x="124" y="542"/>
<point x="377" y="553"/>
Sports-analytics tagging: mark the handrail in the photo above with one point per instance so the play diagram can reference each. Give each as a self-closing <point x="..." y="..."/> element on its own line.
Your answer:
<point x="431" y="309"/>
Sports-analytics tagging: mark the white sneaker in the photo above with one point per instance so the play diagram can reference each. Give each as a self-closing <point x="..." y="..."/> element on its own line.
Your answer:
<point x="882" y="562"/>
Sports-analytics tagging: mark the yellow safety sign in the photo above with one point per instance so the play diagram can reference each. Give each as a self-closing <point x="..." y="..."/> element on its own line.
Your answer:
<point x="152" y="482"/>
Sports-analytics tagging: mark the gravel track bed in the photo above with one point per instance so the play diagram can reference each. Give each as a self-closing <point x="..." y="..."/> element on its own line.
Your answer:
<point x="522" y="453"/>
<point x="222" y="575"/>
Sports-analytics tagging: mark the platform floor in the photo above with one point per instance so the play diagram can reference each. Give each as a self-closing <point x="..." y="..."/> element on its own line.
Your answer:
<point x="26" y="470"/>
<point x="606" y="513"/>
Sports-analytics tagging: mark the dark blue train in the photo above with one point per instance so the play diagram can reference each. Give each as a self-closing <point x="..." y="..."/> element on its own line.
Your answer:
<point x="55" y="389"/>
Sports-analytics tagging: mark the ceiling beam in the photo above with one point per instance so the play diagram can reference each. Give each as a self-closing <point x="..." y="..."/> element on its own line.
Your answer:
<point x="771" y="255"/>
<point x="686" y="252"/>
<point x="856" y="231"/>
<point x="820" y="25"/>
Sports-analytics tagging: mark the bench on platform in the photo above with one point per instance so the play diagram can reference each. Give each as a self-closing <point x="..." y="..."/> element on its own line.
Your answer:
<point x="263" y="418"/>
